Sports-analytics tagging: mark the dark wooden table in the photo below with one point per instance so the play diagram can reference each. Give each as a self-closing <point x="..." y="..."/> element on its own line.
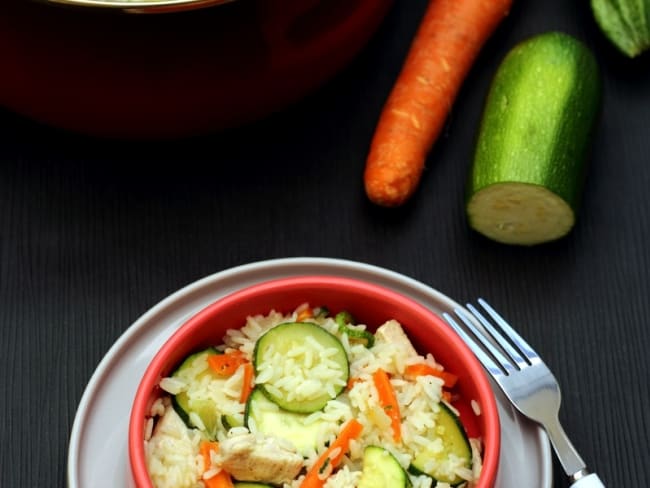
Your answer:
<point x="95" y="232"/>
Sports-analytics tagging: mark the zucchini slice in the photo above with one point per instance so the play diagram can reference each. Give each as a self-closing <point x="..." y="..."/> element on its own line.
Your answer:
<point x="300" y="366"/>
<point x="382" y="470"/>
<point x="529" y="166"/>
<point x="273" y="421"/>
<point x="439" y="462"/>
<point x="230" y="421"/>
<point x="187" y="407"/>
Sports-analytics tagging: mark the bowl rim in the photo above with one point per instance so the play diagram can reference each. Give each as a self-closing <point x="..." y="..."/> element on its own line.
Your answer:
<point x="151" y="376"/>
<point x="139" y="6"/>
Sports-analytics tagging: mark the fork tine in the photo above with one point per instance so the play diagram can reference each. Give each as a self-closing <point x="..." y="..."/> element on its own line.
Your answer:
<point x="486" y="360"/>
<point x="498" y="337"/>
<point x="523" y="346"/>
<point x="505" y="363"/>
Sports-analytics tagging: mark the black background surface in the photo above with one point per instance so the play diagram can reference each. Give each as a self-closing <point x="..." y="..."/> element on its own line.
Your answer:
<point x="94" y="232"/>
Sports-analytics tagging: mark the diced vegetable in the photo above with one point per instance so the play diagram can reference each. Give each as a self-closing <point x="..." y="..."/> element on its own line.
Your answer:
<point x="273" y="421"/>
<point x="205" y="409"/>
<point x="220" y="480"/>
<point x="303" y="342"/>
<point x="421" y="369"/>
<point x="455" y="446"/>
<point x="388" y="401"/>
<point x="226" y="364"/>
<point x="344" y="320"/>
<point x="333" y="455"/>
<point x="230" y="421"/>
<point x="382" y="470"/>
<point x="247" y="382"/>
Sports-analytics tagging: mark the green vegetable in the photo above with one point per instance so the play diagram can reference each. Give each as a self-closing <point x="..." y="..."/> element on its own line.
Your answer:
<point x="455" y="444"/>
<point x="185" y="405"/>
<point x="382" y="470"/>
<point x="626" y="23"/>
<point x="286" y="341"/>
<point x="344" y="320"/>
<point x="230" y="421"/>
<point x="529" y="166"/>
<point x="290" y="426"/>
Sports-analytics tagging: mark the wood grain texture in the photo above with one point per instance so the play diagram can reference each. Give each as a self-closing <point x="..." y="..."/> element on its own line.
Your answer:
<point x="95" y="232"/>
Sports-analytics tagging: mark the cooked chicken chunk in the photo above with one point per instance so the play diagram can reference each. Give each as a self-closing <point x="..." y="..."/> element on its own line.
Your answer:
<point x="253" y="458"/>
<point x="392" y="333"/>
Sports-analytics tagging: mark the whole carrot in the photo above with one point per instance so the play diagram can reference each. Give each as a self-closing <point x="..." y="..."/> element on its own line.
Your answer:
<point x="448" y="40"/>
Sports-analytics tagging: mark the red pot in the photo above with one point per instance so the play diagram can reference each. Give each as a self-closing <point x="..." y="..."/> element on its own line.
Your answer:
<point x="113" y="74"/>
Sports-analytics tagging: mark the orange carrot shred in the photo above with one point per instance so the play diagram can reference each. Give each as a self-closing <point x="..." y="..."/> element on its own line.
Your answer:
<point x="341" y="445"/>
<point x="304" y="314"/>
<point x="220" y="480"/>
<point x="352" y="382"/>
<point x="448" y="40"/>
<point x="247" y="382"/>
<point x="226" y="364"/>
<point x="388" y="401"/>
<point x="205" y="448"/>
<point x="421" y="369"/>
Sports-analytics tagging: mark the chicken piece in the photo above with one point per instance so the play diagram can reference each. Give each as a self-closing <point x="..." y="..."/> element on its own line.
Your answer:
<point x="254" y="458"/>
<point x="392" y="333"/>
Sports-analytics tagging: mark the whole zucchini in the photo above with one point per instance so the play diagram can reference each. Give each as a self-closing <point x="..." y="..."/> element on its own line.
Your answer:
<point x="626" y="23"/>
<point x="529" y="165"/>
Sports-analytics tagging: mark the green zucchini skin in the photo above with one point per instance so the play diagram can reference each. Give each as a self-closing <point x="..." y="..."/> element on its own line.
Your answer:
<point x="284" y="338"/>
<point x="537" y="124"/>
<point x="382" y="470"/>
<point x="183" y="405"/>
<point x="290" y="426"/>
<point x="455" y="442"/>
<point x="626" y="23"/>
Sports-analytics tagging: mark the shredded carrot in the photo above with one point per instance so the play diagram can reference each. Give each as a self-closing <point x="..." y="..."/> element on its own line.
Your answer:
<point x="446" y="396"/>
<point x="421" y="369"/>
<point x="352" y="382"/>
<point x="205" y="448"/>
<point x="247" y="383"/>
<point x="388" y="401"/>
<point x="220" y="480"/>
<point x="449" y="38"/>
<point x="226" y="364"/>
<point x="306" y="313"/>
<point x="332" y="455"/>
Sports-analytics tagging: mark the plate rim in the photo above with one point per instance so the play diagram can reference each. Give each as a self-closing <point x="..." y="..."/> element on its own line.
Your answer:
<point x="166" y="305"/>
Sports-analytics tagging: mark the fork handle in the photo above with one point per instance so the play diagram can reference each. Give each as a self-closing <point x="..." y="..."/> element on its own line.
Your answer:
<point x="589" y="481"/>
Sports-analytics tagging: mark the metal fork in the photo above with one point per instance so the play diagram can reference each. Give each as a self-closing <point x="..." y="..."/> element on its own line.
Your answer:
<point x="525" y="380"/>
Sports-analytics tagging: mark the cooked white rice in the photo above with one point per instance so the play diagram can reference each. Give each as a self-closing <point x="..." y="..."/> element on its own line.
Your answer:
<point x="172" y="450"/>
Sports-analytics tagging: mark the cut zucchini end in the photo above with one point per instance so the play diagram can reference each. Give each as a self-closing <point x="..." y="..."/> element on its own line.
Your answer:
<point x="519" y="213"/>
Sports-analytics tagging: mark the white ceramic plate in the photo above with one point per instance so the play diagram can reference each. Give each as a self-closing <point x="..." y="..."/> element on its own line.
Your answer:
<point x="98" y="454"/>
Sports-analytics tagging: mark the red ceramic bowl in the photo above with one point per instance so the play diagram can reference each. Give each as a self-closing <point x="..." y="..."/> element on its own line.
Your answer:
<point x="369" y="304"/>
<point x="111" y="74"/>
